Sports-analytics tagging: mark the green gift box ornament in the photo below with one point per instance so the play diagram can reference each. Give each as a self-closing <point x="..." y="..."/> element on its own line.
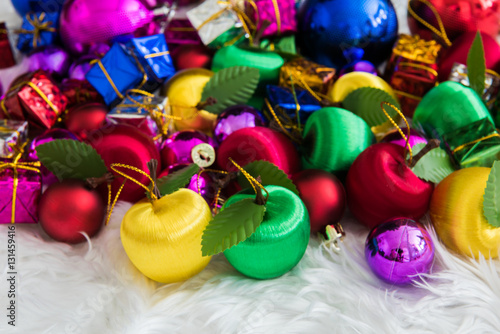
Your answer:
<point x="474" y="145"/>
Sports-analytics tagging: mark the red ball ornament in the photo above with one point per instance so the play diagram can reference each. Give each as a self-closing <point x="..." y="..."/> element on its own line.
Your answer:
<point x="324" y="197"/>
<point x="458" y="17"/>
<point x="83" y="119"/>
<point x="380" y="186"/>
<point x="192" y="56"/>
<point x="258" y="143"/>
<point x="120" y="143"/>
<point x="68" y="208"/>
<point x="459" y="50"/>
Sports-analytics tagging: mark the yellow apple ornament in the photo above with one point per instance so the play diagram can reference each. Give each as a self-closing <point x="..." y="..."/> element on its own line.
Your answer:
<point x="464" y="211"/>
<point x="162" y="234"/>
<point x="184" y="92"/>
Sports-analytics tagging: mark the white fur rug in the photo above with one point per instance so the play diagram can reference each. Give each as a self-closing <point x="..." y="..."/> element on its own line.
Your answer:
<point x="94" y="288"/>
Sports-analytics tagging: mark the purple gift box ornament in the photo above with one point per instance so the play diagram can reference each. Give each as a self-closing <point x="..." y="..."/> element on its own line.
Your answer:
<point x="20" y="189"/>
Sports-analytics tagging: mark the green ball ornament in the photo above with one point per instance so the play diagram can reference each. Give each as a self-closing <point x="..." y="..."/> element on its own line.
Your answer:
<point x="333" y="138"/>
<point x="279" y="243"/>
<point x="448" y="107"/>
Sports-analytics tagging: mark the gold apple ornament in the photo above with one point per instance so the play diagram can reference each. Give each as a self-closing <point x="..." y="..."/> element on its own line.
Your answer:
<point x="161" y="234"/>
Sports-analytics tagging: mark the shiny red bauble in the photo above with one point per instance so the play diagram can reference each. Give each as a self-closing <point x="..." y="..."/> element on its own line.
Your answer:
<point x="192" y="56"/>
<point x="459" y="50"/>
<point x="83" y="119"/>
<point x="120" y="143"/>
<point x="380" y="186"/>
<point x="258" y="143"/>
<point x="68" y="208"/>
<point x="458" y="17"/>
<point x="324" y="197"/>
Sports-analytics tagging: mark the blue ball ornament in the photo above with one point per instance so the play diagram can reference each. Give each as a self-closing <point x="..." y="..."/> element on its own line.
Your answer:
<point x="23" y="7"/>
<point x="338" y="32"/>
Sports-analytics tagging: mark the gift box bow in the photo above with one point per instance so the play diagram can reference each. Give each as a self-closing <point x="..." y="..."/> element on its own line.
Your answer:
<point x="39" y="26"/>
<point x="15" y="165"/>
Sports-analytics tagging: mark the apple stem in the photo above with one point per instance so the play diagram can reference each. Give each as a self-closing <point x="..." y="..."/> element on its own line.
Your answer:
<point x="432" y="144"/>
<point x="258" y="35"/>
<point x="152" y="166"/>
<point x="94" y="182"/>
<point x="259" y="198"/>
<point x="209" y="102"/>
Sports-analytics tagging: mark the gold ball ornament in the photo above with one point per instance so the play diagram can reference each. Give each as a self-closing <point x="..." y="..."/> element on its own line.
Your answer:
<point x="351" y="81"/>
<point x="162" y="237"/>
<point x="184" y="91"/>
<point x="456" y="212"/>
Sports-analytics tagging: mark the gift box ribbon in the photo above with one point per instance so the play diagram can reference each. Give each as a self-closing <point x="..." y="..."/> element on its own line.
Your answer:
<point x="461" y="147"/>
<point x="38" y="27"/>
<point x="441" y="32"/>
<point x="36" y="89"/>
<point x="276" y="13"/>
<point x="15" y="165"/>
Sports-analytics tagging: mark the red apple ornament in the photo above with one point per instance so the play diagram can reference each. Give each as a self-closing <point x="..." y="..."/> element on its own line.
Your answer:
<point x="324" y="197"/>
<point x="380" y="186"/>
<point x="70" y="207"/>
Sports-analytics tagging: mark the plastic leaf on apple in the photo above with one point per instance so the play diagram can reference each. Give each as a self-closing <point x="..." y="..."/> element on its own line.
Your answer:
<point x="433" y="166"/>
<point x="491" y="200"/>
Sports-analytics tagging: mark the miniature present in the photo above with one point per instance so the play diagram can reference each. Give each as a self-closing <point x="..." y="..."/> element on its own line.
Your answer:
<point x="285" y="46"/>
<point x="38" y="29"/>
<point x="116" y="73"/>
<point x="412" y="70"/>
<point x="152" y="52"/>
<point x="303" y="104"/>
<point x="20" y="190"/>
<point x="181" y="32"/>
<point x="36" y="98"/>
<point x="307" y="75"/>
<point x="79" y="91"/>
<point x="11" y="133"/>
<point x="217" y="23"/>
<point x="274" y="17"/>
<point x="6" y="55"/>
<point x="491" y="82"/>
<point x="474" y="145"/>
<point x="145" y="112"/>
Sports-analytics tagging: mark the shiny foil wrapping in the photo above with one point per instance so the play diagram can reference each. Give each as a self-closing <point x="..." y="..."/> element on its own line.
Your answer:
<point x="412" y="70"/>
<point x="180" y="32"/>
<point x="491" y="82"/>
<point x="11" y="133"/>
<point x="304" y="73"/>
<point x="474" y="145"/>
<point x="79" y="91"/>
<point x="29" y="99"/>
<point x="27" y="195"/>
<point x="38" y="29"/>
<point x="6" y="56"/>
<point x="279" y="13"/>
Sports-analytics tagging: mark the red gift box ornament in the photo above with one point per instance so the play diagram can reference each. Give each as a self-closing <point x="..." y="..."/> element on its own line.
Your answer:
<point x="25" y="190"/>
<point x="412" y="70"/>
<point x="34" y="97"/>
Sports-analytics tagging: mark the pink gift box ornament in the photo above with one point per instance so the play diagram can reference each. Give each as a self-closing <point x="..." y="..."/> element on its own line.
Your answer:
<point x="280" y="14"/>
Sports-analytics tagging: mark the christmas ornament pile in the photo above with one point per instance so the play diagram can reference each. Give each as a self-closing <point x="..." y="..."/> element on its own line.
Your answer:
<point x="243" y="126"/>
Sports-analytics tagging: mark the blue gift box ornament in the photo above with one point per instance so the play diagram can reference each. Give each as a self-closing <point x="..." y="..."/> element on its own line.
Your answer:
<point x="116" y="73"/>
<point x="38" y="29"/>
<point x="152" y="52"/>
<point x="283" y="98"/>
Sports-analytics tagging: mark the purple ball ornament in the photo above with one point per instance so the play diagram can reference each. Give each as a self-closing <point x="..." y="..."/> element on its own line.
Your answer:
<point x="395" y="137"/>
<point x="178" y="148"/>
<point x="86" y="22"/>
<point x="47" y="177"/>
<point x="52" y="59"/>
<point x="235" y="118"/>
<point x="399" y="250"/>
<point x="82" y="65"/>
<point x="359" y="66"/>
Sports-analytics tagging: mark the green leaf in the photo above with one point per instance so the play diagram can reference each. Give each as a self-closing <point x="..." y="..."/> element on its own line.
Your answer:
<point x="230" y="86"/>
<point x="232" y="225"/>
<point x="491" y="200"/>
<point x="476" y="65"/>
<point x="71" y="159"/>
<point x="177" y="180"/>
<point x="433" y="166"/>
<point x="365" y="102"/>
<point x="269" y="173"/>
